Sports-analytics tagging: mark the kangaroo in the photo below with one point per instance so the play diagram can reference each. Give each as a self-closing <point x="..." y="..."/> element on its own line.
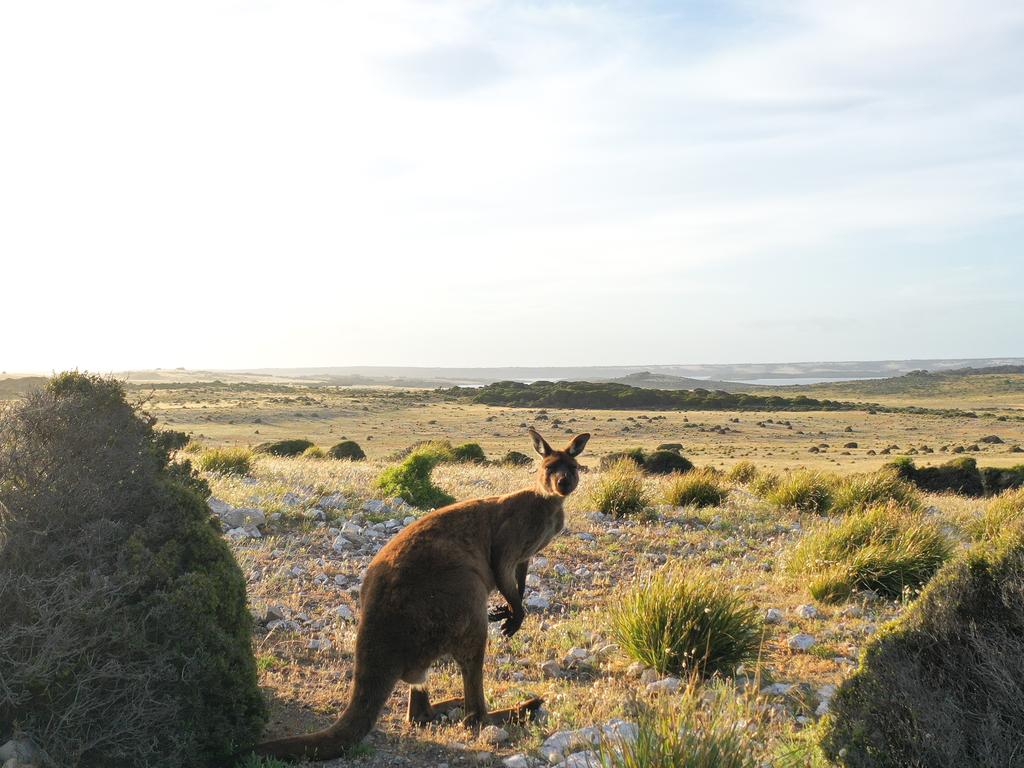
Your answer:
<point x="425" y="596"/>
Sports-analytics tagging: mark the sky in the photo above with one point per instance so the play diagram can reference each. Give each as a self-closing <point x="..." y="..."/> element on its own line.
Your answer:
<point x="251" y="184"/>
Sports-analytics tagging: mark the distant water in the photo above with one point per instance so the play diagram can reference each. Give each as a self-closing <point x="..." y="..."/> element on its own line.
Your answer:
<point x="809" y="380"/>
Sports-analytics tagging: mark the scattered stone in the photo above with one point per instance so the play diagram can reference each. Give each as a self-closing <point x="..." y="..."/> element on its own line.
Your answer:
<point x="561" y="570"/>
<point x="333" y="501"/>
<point x="376" y="507"/>
<point x="275" y="613"/>
<point x="822" y="708"/>
<point x="551" y="668"/>
<point x="341" y="543"/>
<point x="243" y="517"/>
<point x="635" y="669"/>
<point x="852" y="611"/>
<point x="588" y="759"/>
<point x="320" y="645"/>
<point x="516" y="761"/>
<point x="344" y="613"/>
<point x="666" y="685"/>
<point x="246" y="532"/>
<point x="538" y="602"/>
<point x="492" y="734"/>
<point x="290" y="499"/>
<point x="801" y="642"/>
<point x="806" y="611"/>
<point x="773" y="616"/>
<point x="218" y="506"/>
<point x="648" y="676"/>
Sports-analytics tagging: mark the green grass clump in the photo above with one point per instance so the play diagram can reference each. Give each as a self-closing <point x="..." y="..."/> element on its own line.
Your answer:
<point x="313" y="452"/>
<point x="226" y="461"/>
<point x="701" y="488"/>
<point x="943" y="686"/>
<point x="886" y="549"/>
<point x="293" y="447"/>
<point x="1002" y="513"/>
<point x="858" y="492"/>
<point x="804" y="490"/>
<point x="742" y="473"/>
<point x="411" y="481"/>
<point x="694" y="733"/>
<point x="346" y="449"/>
<point x="764" y="483"/>
<point x="620" y="490"/>
<point x="686" y="624"/>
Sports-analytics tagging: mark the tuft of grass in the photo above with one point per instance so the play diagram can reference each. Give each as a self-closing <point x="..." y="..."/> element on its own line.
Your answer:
<point x="764" y="483"/>
<point x="226" y="461"/>
<point x="805" y="490"/>
<point x="313" y="452"/>
<point x="886" y="549"/>
<point x="1003" y="513"/>
<point x="701" y="488"/>
<point x="686" y="623"/>
<point x="620" y="490"/>
<point x="695" y="733"/>
<point x="742" y="473"/>
<point x="858" y="492"/>
<point x="411" y="481"/>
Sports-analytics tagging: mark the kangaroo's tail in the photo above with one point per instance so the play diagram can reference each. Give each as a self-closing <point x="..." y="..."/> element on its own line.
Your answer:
<point x="370" y="690"/>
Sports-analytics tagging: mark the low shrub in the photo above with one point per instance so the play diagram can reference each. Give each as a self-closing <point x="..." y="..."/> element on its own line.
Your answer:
<point x="469" y="452"/>
<point x="694" y="733"/>
<point x="956" y="476"/>
<point x="126" y="639"/>
<point x="666" y="463"/>
<point x="804" y="490"/>
<point x="411" y="481"/>
<point x="886" y="549"/>
<point x="226" y="461"/>
<point x="516" y="459"/>
<point x="293" y="447"/>
<point x="996" y="480"/>
<point x="677" y="447"/>
<point x="742" y="472"/>
<point x="943" y="686"/>
<point x="684" y="624"/>
<point x="700" y="488"/>
<point x="346" y="449"/>
<point x="635" y="455"/>
<point x="619" y="491"/>
<point x="1003" y="513"/>
<point x="445" y="452"/>
<point x="855" y="493"/>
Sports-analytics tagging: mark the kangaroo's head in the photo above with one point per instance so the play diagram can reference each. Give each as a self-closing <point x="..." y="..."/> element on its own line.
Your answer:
<point x="559" y="473"/>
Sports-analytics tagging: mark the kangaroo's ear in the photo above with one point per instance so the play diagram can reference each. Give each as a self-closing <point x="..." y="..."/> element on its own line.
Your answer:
<point x="539" y="443"/>
<point x="578" y="444"/>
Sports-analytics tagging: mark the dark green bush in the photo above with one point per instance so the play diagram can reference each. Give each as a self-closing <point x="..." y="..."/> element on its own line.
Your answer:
<point x="516" y="459"/>
<point x="346" y="449"/>
<point x="125" y="636"/>
<point x="686" y="623"/>
<point x="294" y="447"/>
<point x="943" y="686"/>
<point x="996" y="479"/>
<point x="469" y="452"/>
<point x="636" y="455"/>
<point x="956" y="476"/>
<point x="665" y="463"/>
<point x="411" y="481"/>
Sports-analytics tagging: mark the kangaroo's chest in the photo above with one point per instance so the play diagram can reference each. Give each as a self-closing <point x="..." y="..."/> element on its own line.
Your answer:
<point x="548" y="527"/>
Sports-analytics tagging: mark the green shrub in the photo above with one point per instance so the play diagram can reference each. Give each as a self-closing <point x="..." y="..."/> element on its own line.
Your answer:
<point x="619" y="491"/>
<point x="700" y="488"/>
<point x="742" y="472"/>
<point x="1003" y="513"/>
<point x="685" y="624"/>
<point x="959" y="475"/>
<point x="346" y="449"/>
<point x="313" y="452"/>
<point x="665" y="463"/>
<point x="293" y="447"/>
<point x="125" y="640"/>
<point x="410" y="480"/>
<point x="226" y="461"/>
<point x="635" y="455"/>
<point x="858" y="492"/>
<point x="469" y="452"/>
<point x="677" y="447"/>
<point x="996" y="480"/>
<point x="804" y="490"/>
<point x="516" y="459"/>
<point x="943" y="686"/>
<point x="764" y="483"/>
<point x="693" y="734"/>
<point x="885" y="549"/>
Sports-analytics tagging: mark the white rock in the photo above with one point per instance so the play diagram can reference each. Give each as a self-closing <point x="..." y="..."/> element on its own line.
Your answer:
<point x="551" y="668"/>
<point x="800" y="642"/>
<point x="375" y="507"/>
<point x="290" y="499"/>
<point x="516" y="761"/>
<point x="635" y="669"/>
<point x="247" y="532"/>
<point x="852" y="611"/>
<point x="344" y="613"/>
<point x="409" y="520"/>
<point x="822" y="709"/>
<point x="243" y="516"/>
<point x="649" y="675"/>
<point x="320" y="645"/>
<point x="532" y="580"/>
<point x="538" y="602"/>
<point x="665" y="685"/>
<point x="492" y="734"/>
<point x="561" y="743"/>
<point x="561" y="570"/>
<point x="826" y="691"/>
<point x="806" y="611"/>
<point x="588" y="759"/>
<point x="275" y="613"/>
<point x="218" y="506"/>
<point x="333" y="501"/>
<point x="773" y="616"/>
<point x="341" y="543"/>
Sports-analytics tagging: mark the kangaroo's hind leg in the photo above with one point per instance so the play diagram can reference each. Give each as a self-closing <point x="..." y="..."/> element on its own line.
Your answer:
<point x="421" y="711"/>
<point x="471" y="662"/>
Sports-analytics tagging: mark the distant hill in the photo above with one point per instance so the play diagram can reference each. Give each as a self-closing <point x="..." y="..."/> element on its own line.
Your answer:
<point x="1006" y="380"/>
<point x="649" y="380"/>
<point x="16" y="387"/>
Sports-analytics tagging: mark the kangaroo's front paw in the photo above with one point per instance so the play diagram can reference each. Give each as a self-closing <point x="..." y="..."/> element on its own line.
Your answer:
<point x="499" y="613"/>
<point x="512" y="624"/>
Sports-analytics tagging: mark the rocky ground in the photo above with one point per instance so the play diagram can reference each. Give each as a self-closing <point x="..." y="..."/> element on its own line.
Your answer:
<point x="305" y="530"/>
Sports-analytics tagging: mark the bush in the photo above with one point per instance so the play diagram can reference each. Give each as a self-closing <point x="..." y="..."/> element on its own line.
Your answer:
<point x="700" y="488"/>
<point x="665" y="463"/>
<point x="944" y="685"/>
<point x="996" y="480"/>
<point x="314" y="452"/>
<point x="742" y="473"/>
<point x="226" y="461"/>
<point x="1002" y="514"/>
<point x="685" y="624"/>
<point x="677" y="447"/>
<point x="697" y="734"/>
<point x="125" y="638"/>
<point x="469" y="452"/>
<point x="346" y="449"/>
<point x="885" y="549"/>
<point x="410" y="480"/>
<point x="293" y="447"/>
<point x="516" y="459"/>
<point x="956" y="476"/>
<point x="803" y="490"/>
<point x="764" y="483"/>
<point x="620" y="490"/>
<point x="635" y="455"/>
<point x="858" y="492"/>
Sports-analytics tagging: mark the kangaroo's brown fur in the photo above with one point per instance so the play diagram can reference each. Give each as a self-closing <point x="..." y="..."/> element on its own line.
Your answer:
<point x="425" y="596"/>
